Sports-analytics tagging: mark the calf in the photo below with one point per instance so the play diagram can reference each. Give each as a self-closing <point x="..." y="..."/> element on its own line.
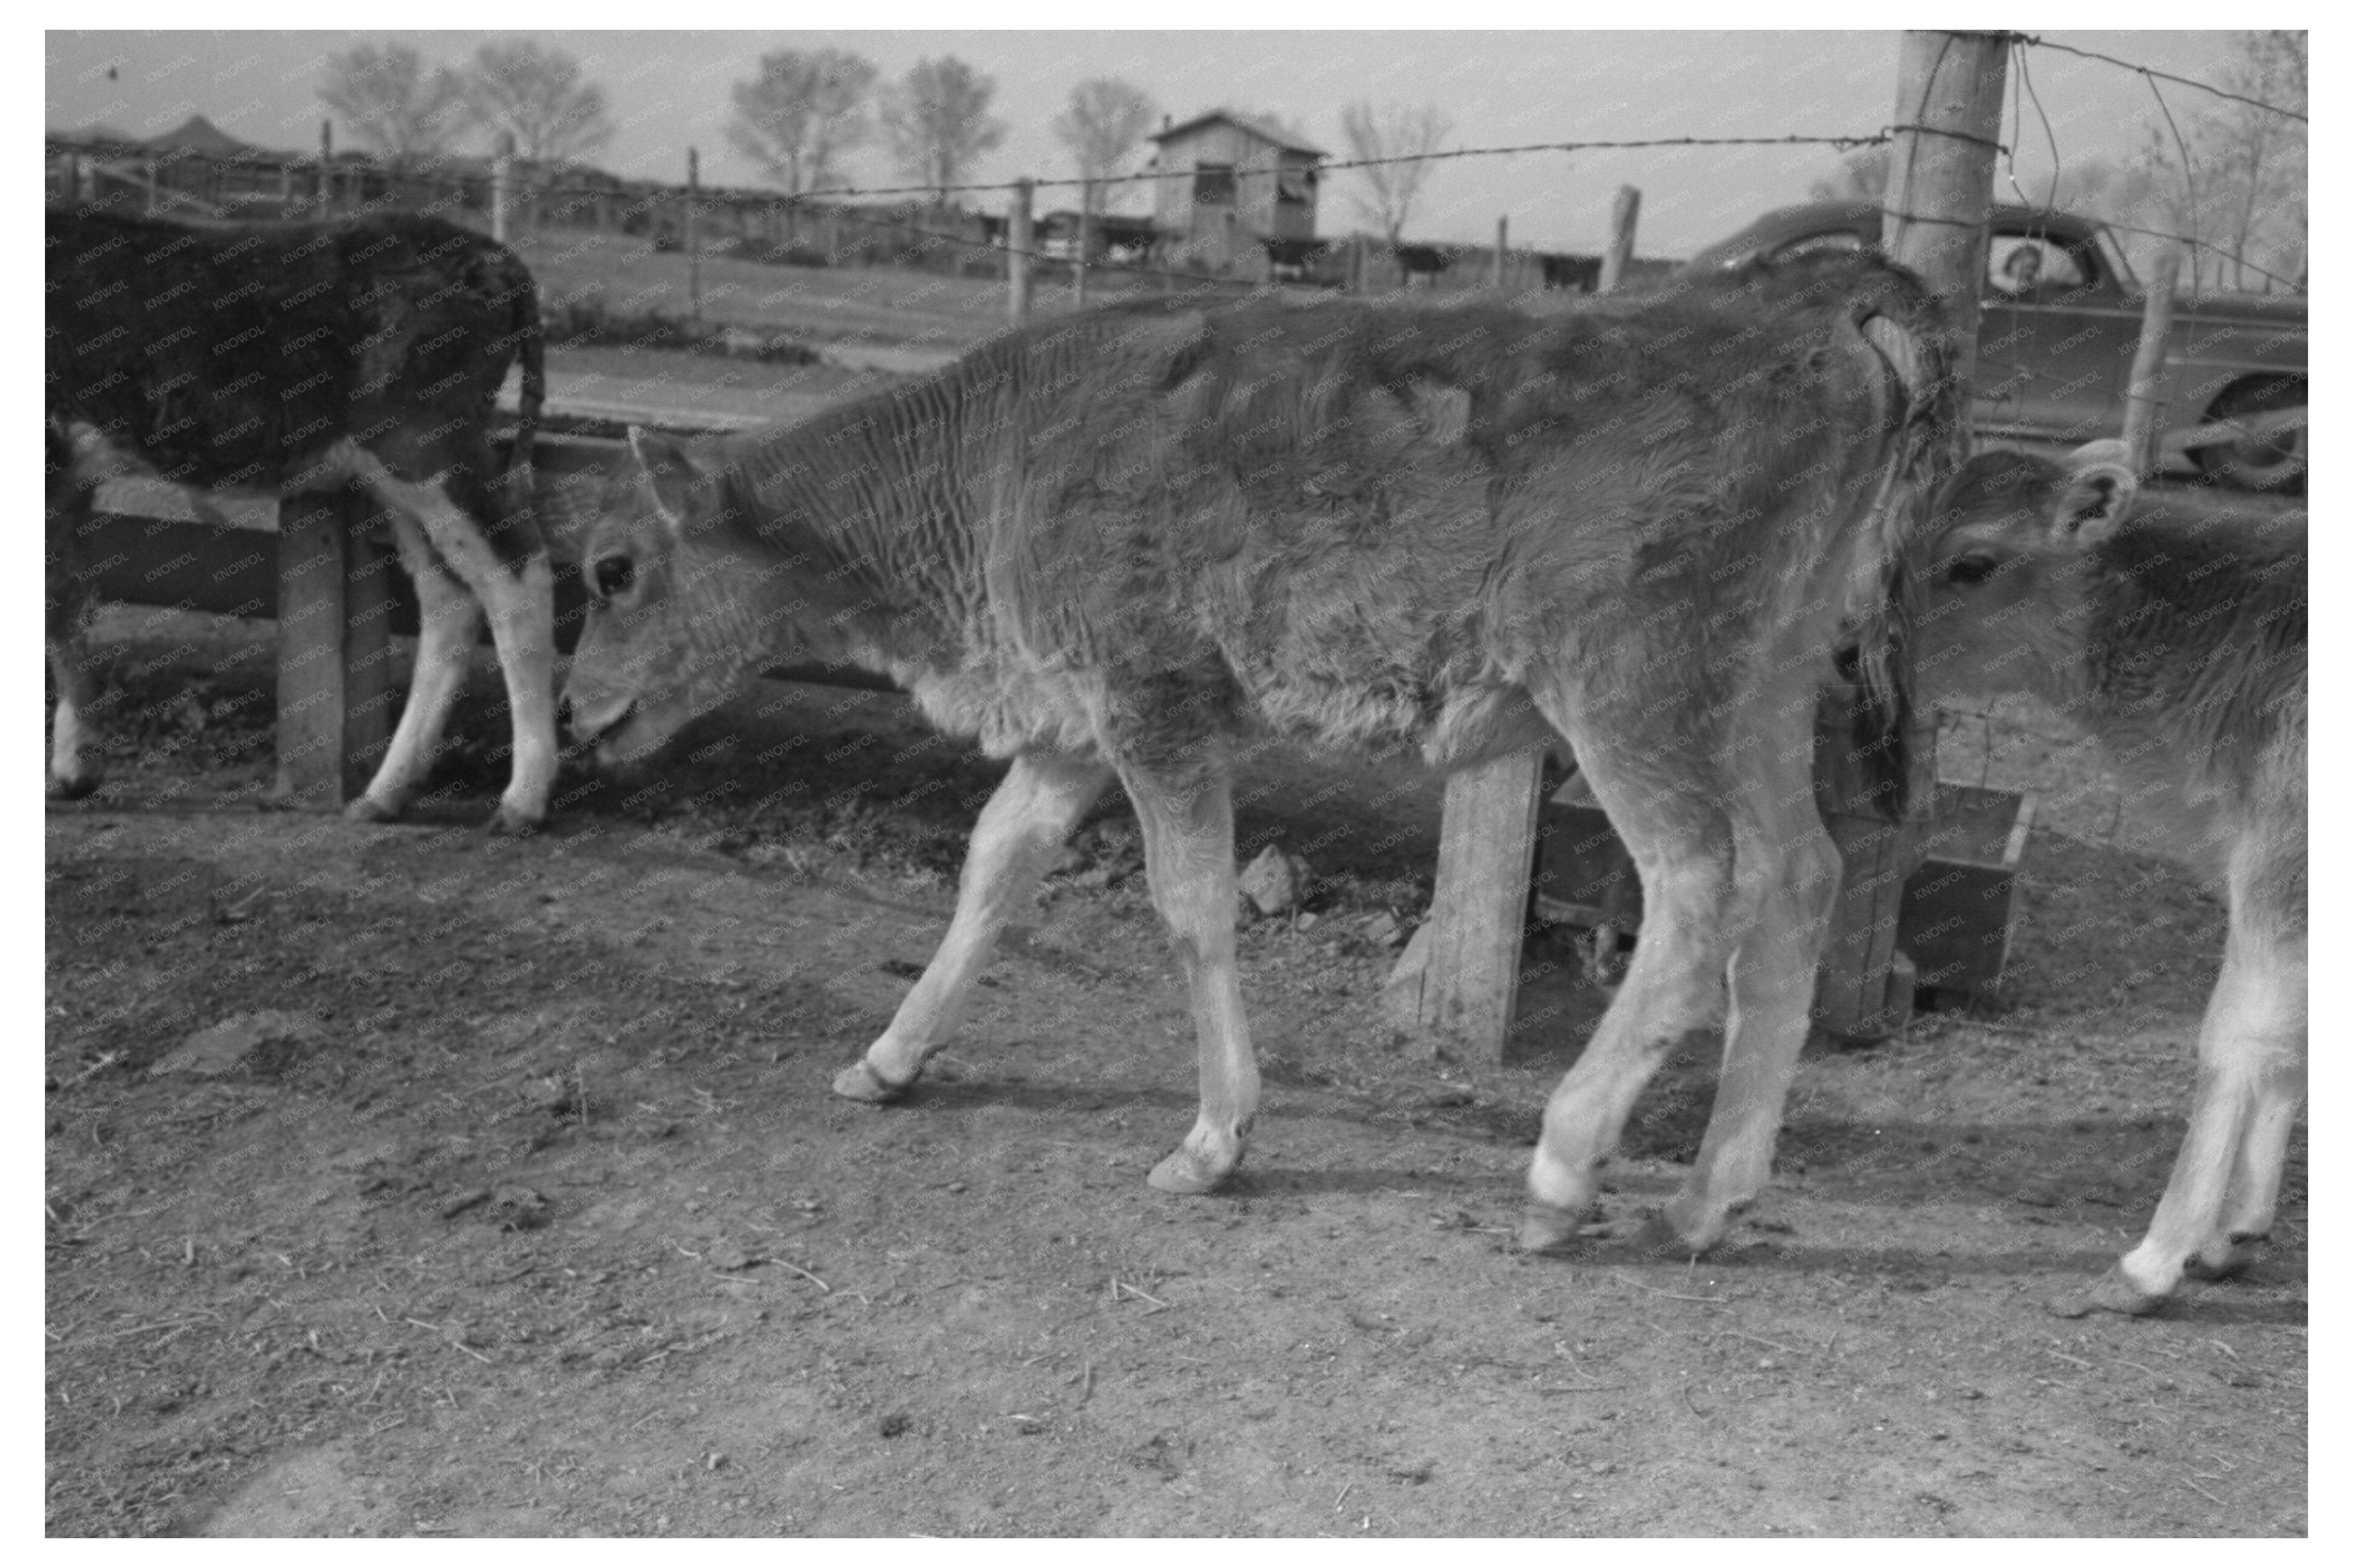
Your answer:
<point x="1114" y="546"/>
<point x="284" y="357"/>
<point x="2181" y="648"/>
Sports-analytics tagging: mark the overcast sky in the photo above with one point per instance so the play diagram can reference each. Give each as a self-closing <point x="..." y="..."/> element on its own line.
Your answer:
<point x="669" y="89"/>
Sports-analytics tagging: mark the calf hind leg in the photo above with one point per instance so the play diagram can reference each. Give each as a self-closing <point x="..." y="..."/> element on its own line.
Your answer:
<point x="449" y="619"/>
<point x="517" y="588"/>
<point x="1188" y="852"/>
<point x="1031" y="813"/>
<point x="1680" y="844"/>
<point x="76" y="760"/>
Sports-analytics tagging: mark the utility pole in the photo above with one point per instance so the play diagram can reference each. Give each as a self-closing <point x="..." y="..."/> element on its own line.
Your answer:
<point x="502" y="189"/>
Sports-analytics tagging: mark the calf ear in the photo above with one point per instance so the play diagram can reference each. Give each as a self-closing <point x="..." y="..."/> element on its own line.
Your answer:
<point x="2101" y="487"/>
<point x="669" y="468"/>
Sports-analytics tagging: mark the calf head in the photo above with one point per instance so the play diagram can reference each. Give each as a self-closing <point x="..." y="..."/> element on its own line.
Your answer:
<point x="2009" y="555"/>
<point x="671" y="630"/>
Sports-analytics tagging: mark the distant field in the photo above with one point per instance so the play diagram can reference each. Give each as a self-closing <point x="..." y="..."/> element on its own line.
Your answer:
<point x="875" y="307"/>
<point x="825" y="304"/>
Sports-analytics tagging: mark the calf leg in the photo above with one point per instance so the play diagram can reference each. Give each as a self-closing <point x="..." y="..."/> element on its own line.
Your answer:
<point x="449" y="619"/>
<point x="520" y="597"/>
<point x="2251" y="1065"/>
<point x="1031" y="813"/>
<point x="76" y="758"/>
<point x="1786" y="872"/>
<point x="1682" y="846"/>
<point x="1188" y="855"/>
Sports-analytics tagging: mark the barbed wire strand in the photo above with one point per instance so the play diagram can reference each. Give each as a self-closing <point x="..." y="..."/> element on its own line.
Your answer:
<point x="2152" y="72"/>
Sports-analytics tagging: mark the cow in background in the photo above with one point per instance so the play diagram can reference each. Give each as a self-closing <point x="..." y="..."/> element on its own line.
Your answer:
<point x="2181" y="648"/>
<point x="284" y="357"/>
<point x="1116" y="545"/>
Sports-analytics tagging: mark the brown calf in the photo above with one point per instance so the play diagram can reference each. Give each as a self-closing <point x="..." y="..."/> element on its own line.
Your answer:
<point x="1113" y="546"/>
<point x="2181" y="648"/>
<point x="270" y="358"/>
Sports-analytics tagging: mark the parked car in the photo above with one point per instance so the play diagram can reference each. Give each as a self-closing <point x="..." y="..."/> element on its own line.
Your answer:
<point x="2059" y="320"/>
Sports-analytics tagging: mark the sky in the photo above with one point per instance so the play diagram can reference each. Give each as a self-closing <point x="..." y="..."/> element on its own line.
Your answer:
<point x="669" y="91"/>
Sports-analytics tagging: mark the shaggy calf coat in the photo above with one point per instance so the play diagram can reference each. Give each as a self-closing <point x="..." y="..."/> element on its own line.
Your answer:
<point x="1117" y="546"/>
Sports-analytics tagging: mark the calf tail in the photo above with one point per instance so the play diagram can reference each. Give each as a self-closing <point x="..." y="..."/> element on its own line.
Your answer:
<point x="532" y="352"/>
<point x="1903" y="327"/>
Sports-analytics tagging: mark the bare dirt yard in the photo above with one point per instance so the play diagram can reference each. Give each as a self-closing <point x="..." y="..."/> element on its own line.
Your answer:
<point x="401" y="1181"/>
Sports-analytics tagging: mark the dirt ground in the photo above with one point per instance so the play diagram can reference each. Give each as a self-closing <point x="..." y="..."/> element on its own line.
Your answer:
<point x="405" y="1181"/>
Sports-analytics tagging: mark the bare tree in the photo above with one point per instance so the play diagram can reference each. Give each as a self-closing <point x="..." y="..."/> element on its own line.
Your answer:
<point x="802" y="113"/>
<point x="537" y="94"/>
<point x="387" y="100"/>
<point x="938" y="121"/>
<point x="2233" y="175"/>
<point x="1862" y="177"/>
<point x="1105" y="119"/>
<point x="1396" y="132"/>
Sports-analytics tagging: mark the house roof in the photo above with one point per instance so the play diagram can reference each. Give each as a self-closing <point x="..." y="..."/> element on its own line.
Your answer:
<point x="197" y="135"/>
<point x="1258" y="127"/>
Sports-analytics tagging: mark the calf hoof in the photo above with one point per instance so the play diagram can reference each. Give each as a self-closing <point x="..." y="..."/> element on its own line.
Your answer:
<point x="366" y="810"/>
<point x="78" y="787"/>
<point x="509" y="822"/>
<point x="1548" y="1227"/>
<point x="1661" y="1236"/>
<point x="1187" y="1172"/>
<point x="2229" y="1261"/>
<point x="860" y="1082"/>
<point x="2112" y="1292"/>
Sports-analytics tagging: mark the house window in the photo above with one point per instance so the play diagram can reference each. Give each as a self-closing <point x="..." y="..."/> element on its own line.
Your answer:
<point x="1213" y="185"/>
<point x="1294" y="184"/>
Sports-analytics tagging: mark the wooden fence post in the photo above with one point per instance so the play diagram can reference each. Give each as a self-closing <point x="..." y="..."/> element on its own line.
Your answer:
<point x="2149" y="365"/>
<point x="1079" y="267"/>
<point x="1016" y="256"/>
<point x="1625" y="210"/>
<point x="694" y="237"/>
<point x="502" y="189"/>
<point x="335" y="677"/>
<point x="1503" y="248"/>
<point x="326" y="169"/>
<point x="1948" y="89"/>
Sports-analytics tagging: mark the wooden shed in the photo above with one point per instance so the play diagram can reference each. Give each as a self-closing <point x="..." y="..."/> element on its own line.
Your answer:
<point x="1228" y="183"/>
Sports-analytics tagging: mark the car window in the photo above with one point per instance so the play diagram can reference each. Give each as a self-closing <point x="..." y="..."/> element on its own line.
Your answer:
<point x="2021" y="263"/>
<point x="1816" y="244"/>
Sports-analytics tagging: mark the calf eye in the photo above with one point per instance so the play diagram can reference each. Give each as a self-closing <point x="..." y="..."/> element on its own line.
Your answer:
<point x="614" y="575"/>
<point x="1970" y="569"/>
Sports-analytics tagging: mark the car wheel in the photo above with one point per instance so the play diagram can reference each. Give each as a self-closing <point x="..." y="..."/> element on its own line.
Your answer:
<point x="2274" y="462"/>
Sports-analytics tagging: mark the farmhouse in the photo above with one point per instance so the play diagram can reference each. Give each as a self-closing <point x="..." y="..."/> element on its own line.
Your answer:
<point x="1232" y="190"/>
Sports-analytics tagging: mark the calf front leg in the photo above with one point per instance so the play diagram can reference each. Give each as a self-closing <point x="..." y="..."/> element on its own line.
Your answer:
<point x="1024" y="822"/>
<point x="1189" y="855"/>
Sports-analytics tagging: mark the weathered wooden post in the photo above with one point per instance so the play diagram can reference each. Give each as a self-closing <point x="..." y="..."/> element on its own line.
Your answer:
<point x="1947" y="114"/>
<point x="694" y="237"/>
<point x="502" y="189"/>
<point x="1017" y="255"/>
<point x="326" y="168"/>
<point x="335" y="677"/>
<point x="1086" y="232"/>
<point x="1625" y="210"/>
<point x="1496" y="279"/>
<point x="1948" y="89"/>
<point x="2149" y="365"/>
